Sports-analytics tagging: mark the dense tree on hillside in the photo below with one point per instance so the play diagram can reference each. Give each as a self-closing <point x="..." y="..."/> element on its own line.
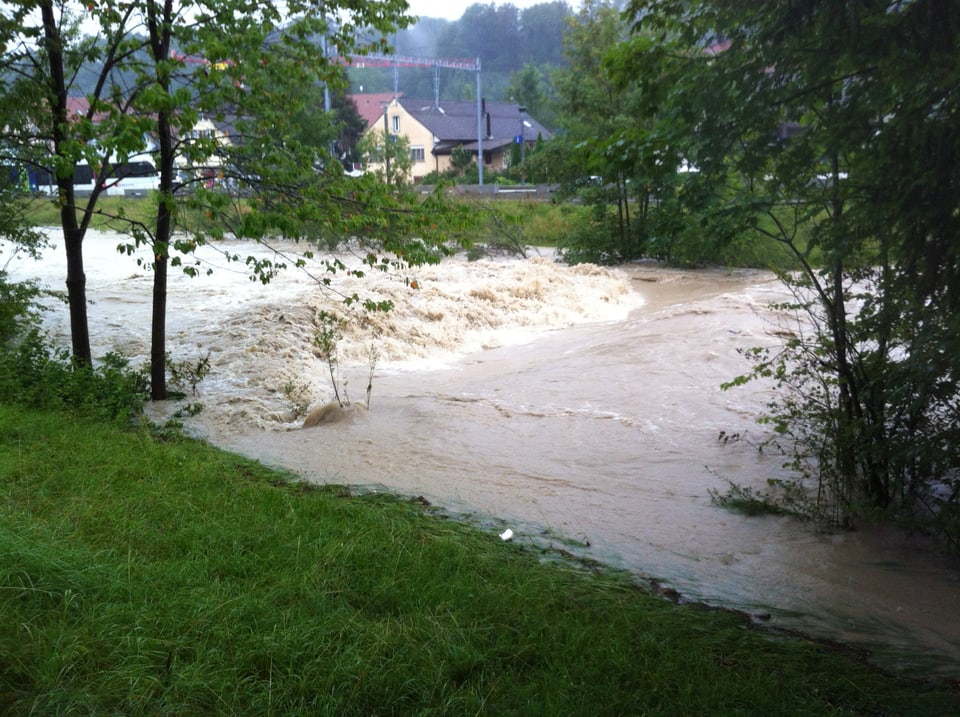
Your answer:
<point x="420" y="39"/>
<point x="503" y="37"/>
<point x="541" y="31"/>
<point x="529" y="86"/>
<point x="835" y="128"/>
<point x="490" y="32"/>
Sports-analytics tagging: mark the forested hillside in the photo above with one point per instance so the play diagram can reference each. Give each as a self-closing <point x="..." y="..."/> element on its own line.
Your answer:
<point x="517" y="48"/>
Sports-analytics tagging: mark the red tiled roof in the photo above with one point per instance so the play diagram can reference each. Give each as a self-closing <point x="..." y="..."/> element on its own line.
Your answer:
<point x="370" y="105"/>
<point x="79" y="106"/>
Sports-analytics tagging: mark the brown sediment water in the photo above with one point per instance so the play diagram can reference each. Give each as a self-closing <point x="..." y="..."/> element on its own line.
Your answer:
<point x="580" y="403"/>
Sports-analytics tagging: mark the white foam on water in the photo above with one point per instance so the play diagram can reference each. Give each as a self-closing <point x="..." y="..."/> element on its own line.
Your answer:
<point x="261" y="337"/>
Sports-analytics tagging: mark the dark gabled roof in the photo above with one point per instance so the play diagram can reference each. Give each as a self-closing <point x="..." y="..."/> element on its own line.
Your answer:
<point x="455" y="123"/>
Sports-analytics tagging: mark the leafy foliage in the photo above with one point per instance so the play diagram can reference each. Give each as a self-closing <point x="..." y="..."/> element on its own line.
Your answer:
<point x="271" y="167"/>
<point x="810" y="130"/>
<point x="35" y="374"/>
<point x="17" y="307"/>
<point x="18" y="300"/>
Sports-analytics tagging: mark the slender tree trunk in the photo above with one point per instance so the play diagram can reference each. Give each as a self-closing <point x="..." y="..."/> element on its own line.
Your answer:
<point x="621" y="207"/>
<point x="626" y="215"/>
<point x="161" y="262"/>
<point x="158" y="329"/>
<point x="77" y="292"/>
<point x="159" y="27"/>
<point x="847" y="421"/>
<point x="72" y="232"/>
<point x="855" y="460"/>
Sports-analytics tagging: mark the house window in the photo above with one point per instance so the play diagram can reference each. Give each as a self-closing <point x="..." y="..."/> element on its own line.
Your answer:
<point x="417" y="154"/>
<point x="396" y="123"/>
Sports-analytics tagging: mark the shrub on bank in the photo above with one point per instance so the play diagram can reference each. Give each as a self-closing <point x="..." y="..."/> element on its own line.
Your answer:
<point x="35" y="374"/>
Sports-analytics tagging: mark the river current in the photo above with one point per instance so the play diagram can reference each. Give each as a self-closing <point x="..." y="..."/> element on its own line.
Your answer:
<point x="579" y="406"/>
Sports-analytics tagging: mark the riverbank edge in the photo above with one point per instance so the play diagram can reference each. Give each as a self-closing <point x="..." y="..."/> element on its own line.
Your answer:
<point x="69" y="504"/>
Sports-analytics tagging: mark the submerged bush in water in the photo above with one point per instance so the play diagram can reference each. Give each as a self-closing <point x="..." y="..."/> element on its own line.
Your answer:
<point x="326" y="339"/>
<point x="184" y="374"/>
<point x="870" y="432"/>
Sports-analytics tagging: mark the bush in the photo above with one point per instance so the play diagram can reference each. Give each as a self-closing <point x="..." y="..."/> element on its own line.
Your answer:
<point x="35" y="374"/>
<point x="593" y="238"/>
<point x="17" y="307"/>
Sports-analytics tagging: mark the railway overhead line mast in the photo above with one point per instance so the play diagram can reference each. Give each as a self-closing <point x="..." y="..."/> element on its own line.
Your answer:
<point x="398" y="61"/>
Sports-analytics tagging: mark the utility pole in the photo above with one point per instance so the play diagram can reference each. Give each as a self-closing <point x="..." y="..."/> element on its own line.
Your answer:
<point x="326" y="99"/>
<point x="479" y="129"/>
<point x="386" y="142"/>
<point x="523" y="143"/>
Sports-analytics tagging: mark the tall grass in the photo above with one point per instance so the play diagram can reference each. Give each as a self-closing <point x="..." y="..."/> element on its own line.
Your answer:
<point x="145" y="573"/>
<point x="506" y="225"/>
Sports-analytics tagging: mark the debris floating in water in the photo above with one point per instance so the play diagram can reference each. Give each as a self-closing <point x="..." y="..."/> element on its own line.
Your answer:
<point x="506" y="535"/>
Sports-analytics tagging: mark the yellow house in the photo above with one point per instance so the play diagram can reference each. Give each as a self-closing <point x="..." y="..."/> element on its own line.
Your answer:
<point x="434" y="131"/>
<point x="212" y="170"/>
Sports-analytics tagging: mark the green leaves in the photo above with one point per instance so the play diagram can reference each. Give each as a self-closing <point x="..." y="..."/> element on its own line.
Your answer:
<point x="829" y="128"/>
<point x="217" y="92"/>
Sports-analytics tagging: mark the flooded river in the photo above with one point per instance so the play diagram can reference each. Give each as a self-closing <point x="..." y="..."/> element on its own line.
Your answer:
<point x="577" y="405"/>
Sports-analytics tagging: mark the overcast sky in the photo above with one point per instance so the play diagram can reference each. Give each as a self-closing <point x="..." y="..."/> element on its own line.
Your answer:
<point x="446" y="9"/>
<point x="454" y="9"/>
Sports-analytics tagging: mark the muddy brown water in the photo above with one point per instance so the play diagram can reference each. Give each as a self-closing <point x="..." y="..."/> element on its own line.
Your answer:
<point x="575" y="405"/>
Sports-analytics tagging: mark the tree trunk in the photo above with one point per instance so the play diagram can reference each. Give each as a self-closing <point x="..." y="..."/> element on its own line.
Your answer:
<point x="72" y="231"/>
<point x="159" y="23"/>
<point x="158" y="330"/>
<point x="77" y="292"/>
<point x="161" y="258"/>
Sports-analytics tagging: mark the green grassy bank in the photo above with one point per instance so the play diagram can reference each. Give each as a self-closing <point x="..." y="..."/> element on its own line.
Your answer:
<point x="145" y="573"/>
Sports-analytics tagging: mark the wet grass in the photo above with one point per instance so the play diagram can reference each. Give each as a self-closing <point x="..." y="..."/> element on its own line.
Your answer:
<point x="44" y="212"/>
<point x="142" y="573"/>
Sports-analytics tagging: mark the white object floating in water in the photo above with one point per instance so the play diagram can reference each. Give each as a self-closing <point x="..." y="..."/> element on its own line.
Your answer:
<point x="506" y="535"/>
